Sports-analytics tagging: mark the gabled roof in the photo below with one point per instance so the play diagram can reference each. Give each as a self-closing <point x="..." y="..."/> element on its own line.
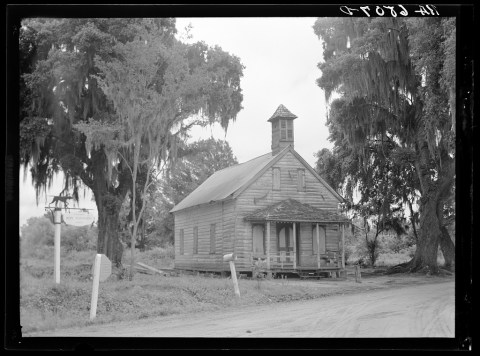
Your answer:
<point x="282" y="111"/>
<point x="224" y="183"/>
<point x="292" y="210"/>
<point x="232" y="181"/>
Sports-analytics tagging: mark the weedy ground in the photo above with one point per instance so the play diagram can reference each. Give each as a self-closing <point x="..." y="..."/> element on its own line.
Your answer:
<point x="45" y="305"/>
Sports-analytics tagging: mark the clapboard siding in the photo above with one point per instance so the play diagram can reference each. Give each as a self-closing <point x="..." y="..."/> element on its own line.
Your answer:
<point x="234" y="234"/>
<point x="334" y="237"/>
<point x="316" y="193"/>
<point x="202" y="217"/>
<point x="260" y="195"/>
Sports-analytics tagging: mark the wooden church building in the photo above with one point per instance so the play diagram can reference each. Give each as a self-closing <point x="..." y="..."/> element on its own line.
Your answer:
<point x="274" y="212"/>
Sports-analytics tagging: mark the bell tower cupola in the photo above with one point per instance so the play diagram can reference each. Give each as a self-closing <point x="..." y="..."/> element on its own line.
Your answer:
<point x="282" y="129"/>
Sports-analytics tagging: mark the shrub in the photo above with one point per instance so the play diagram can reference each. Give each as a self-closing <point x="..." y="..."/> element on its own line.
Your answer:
<point x="38" y="231"/>
<point x="38" y="234"/>
<point x="398" y="243"/>
<point x="349" y="251"/>
<point x="78" y="238"/>
<point x="156" y="257"/>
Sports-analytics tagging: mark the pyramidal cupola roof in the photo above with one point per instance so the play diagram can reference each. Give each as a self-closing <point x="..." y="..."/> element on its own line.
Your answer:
<point x="282" y="111"/>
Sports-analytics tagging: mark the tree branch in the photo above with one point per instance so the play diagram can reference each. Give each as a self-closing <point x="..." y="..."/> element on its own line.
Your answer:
<point x="126" y="162"/>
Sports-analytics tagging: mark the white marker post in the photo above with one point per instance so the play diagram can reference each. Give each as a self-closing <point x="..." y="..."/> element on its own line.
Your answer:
<point x="102" y="269"/>
<point x="230" y="258"/>
<point x="57" y="220"/>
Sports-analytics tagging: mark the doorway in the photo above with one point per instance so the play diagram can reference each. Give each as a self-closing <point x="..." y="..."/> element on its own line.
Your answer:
<point x="285" y="241"/>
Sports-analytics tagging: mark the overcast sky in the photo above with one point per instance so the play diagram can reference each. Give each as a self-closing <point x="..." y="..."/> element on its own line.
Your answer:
<point x="280" y="56"/>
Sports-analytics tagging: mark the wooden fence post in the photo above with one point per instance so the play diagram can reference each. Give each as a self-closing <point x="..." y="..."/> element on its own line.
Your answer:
<point x="294" y="247"/>
<point x="343" y="246"/>
<point x="268" y="246"/>
<point x="318" y="246"/>
<point x="230" y="258"/>
<point x="358" y="274"/>
<point x="234" y="279"/>
<point x="96" y="282"/>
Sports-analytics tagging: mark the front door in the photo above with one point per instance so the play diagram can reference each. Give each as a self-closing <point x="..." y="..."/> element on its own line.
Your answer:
<point x="285" y="241"/>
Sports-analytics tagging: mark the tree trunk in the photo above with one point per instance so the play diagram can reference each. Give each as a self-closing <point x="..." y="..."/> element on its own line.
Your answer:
<point x="376" y="248"/>
<point x="433" y="193"/>
<point x="108" y="241"/>
<point x="430" y="234"/>
<point x="426" y="253"/>
<point x="412" y="220"/>
<point x="446" y="244"/>
<point x="109" y="201"/>
<point x="447" y="247"/>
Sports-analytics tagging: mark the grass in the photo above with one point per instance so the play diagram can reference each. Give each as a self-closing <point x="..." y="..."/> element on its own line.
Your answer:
<point x="45" y="305"/>
<point x="388" y="259"/>
<point x="391" y="259"/>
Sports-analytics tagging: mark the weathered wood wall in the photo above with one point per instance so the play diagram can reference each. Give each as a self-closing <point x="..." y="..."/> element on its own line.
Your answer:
<point x="260" y="195"/>
<point x="220" y="214"/>
<point x="233" y="234"/>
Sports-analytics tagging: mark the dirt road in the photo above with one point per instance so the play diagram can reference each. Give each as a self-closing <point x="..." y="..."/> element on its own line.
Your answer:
<point x="413" y="311"/>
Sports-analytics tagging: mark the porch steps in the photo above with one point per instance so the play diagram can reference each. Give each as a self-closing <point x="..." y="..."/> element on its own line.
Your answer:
<point x="306" y="275"/>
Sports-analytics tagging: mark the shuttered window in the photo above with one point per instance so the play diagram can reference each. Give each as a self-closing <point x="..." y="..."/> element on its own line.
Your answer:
<point x="283" y="130"/>
<point x="195" y="240"/>
<point x="276" y="178"/>
<point x="286" y="130"/>
<point x="289" y="130"/>
<point x="258" y="239"/>
<point x="301" y="186"/>
<point x="181" y="242"/>
<point x="212" y="238"/>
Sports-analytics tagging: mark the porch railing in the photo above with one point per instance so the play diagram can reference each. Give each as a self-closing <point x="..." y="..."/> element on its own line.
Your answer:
<point x="287" y="260"/>
<point x="282" y="260"/>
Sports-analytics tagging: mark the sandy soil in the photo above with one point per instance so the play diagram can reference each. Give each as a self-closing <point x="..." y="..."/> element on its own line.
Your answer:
<point x="425" y="310"/>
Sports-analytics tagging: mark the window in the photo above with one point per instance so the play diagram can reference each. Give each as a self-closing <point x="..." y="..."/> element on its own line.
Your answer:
<point x="258" y="239"/>
<point x="283" y="130"/>
<point x="276" y="178"/>
<point x="181" y="241"/>
<point x="286" y="130"/>
<point x="195" y="240"/>
<point x="301" y="186"/>
<point x="322" y="238"/>
<point x="289" y="130"/>
<point x="282" y="238"/>
<point x="212" y="238"/>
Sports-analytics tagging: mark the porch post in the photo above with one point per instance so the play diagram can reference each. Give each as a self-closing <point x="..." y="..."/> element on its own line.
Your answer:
<point x="318" y="246"/>
<point x="343" y="246"/>
<point x="268" y="245"/>
<point x="294" y="246"/>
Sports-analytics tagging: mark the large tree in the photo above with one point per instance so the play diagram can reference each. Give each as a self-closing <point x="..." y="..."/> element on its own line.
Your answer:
<point x="60" y="91"/>
<point x="196" y="162"/>
<point x="377" y="193"/>
<point x="395" y="81"/>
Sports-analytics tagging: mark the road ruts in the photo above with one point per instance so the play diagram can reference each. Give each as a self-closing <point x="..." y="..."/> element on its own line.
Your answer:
<point x="413" y="311"/>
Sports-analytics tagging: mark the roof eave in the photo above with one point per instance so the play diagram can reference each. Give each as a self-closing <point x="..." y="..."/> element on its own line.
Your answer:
<point x="319" y="221"/>
<point x="211" y="202"/>
<point x="282" y="117"/>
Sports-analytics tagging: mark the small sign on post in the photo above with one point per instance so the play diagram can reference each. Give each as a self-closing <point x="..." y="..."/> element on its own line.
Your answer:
<point x="102" y="269"/>
<point x="230" y="258"/>
<point x="78" y="217"/>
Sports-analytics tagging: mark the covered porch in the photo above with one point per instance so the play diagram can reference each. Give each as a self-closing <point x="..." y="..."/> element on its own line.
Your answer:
<point x="293" y="237"/>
